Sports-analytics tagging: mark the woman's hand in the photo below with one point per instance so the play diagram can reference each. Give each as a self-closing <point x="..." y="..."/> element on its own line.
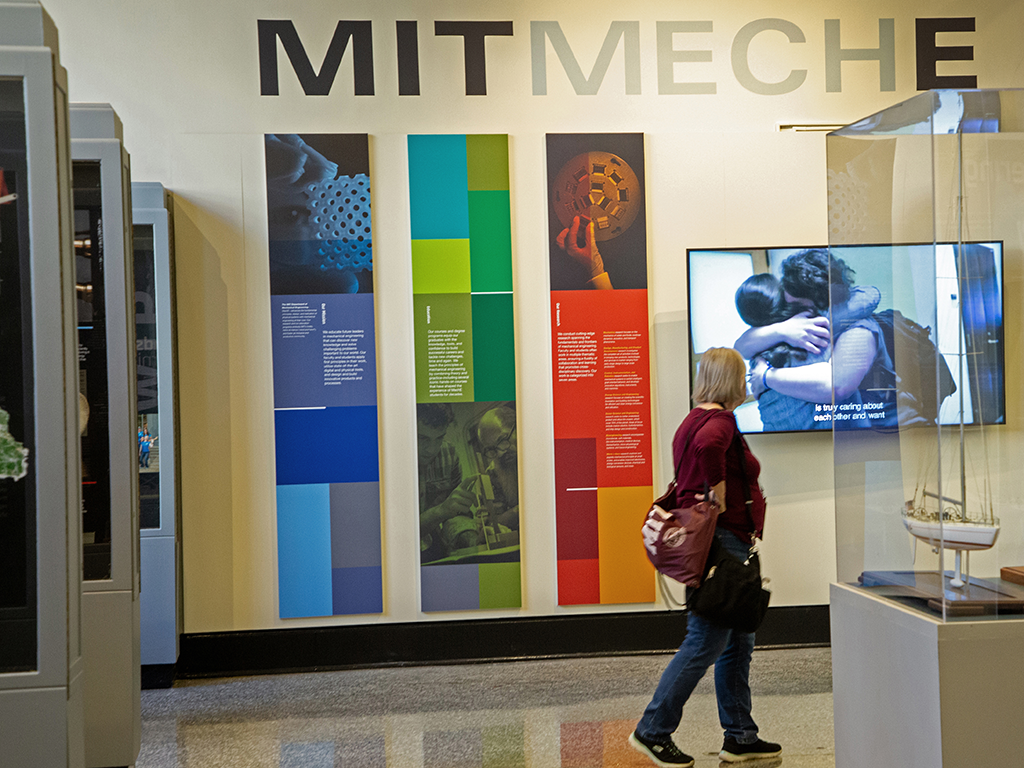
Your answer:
<point x="805" y="332"/>
<point x="756" y="379"/>
<point x="852" y="358"/>
<point x="716" y="496"/>
<point x="801" y="331"/>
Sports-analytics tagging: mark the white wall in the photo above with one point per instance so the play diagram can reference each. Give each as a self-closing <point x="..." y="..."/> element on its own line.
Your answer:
<point x="184" y="77"/>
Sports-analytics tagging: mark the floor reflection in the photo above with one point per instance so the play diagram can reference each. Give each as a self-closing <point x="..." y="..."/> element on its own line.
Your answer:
<point x="553" y="714"/>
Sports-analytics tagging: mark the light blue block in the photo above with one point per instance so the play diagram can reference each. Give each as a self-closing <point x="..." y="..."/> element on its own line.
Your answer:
<point x="304" y="550"/>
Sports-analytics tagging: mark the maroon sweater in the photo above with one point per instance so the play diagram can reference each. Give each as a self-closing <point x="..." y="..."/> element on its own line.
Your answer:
<point x="712" y="456"/>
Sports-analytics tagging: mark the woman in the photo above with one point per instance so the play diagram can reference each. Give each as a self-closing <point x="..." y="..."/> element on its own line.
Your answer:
<point x="714" y="449"/>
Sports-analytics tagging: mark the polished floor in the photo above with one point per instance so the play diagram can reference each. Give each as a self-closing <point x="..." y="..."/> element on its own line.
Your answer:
<point x="573" y="713"/>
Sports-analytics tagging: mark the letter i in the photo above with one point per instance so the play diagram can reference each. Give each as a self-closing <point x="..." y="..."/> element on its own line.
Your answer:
<point x="408" y="58"/>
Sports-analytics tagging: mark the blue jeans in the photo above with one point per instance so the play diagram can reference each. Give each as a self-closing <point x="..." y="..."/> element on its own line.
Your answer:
<point x="706" y="644"/>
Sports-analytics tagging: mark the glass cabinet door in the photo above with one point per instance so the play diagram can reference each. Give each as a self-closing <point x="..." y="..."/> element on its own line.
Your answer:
<point x="146" y="367"/>
<point x="92" y="370"/>
<point x="18" y="605"/>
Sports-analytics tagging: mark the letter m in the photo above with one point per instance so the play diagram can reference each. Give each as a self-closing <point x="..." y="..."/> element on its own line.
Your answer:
<point x="316" y="83"/>
<point x="627" y="31"/>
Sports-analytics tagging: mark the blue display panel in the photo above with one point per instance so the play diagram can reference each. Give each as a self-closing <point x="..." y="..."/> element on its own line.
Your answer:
<point x="325" y="375"/>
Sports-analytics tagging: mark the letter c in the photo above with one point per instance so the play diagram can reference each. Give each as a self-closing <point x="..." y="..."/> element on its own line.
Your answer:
<point x="741" y="61"/>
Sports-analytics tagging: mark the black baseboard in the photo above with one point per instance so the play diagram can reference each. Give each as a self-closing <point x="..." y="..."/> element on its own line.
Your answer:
<point x="224" y="654"/>
<point x="158" y="676"/>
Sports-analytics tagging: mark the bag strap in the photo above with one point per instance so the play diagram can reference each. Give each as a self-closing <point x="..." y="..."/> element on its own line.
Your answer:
<point x="666" y="594"/>
<point x="741" y="445"/>
<point x="686" y="444"/>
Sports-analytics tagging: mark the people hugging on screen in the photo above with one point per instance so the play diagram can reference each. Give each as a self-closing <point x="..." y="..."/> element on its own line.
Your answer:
<point x="798" y="346"/>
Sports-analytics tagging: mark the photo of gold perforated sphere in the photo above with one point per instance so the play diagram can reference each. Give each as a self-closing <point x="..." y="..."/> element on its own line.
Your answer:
<point x="599" y="186"/>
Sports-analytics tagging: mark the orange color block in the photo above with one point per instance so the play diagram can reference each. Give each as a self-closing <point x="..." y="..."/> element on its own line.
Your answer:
<point x="617" y="751"/>
<point x="626" y="574"/>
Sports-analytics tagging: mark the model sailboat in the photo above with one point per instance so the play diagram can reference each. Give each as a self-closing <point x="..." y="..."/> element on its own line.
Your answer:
<point x="950" y="527"/>
<point x="933" y="515"/>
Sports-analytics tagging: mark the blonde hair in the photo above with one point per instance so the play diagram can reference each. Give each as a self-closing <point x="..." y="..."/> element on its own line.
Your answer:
<point x="721" y="377"/>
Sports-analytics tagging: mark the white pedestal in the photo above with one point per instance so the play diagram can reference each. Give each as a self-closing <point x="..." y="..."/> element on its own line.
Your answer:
<point x="909" y="690"/>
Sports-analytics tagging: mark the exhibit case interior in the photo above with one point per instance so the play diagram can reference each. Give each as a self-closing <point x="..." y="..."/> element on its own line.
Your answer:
<point x="928" y="616"/>
<point x="926" y="444"/>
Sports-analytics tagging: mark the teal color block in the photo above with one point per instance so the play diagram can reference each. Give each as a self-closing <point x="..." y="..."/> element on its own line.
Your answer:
<point x="438" y="191"/>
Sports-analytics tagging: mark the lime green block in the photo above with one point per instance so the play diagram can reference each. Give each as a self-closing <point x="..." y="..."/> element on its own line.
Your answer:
<point x="504" y="746"/>
<point x="443" y="339"/>
<point x="487" y="161"/>
<point x="490" y="241"/>
<point x="440" y="266"/>
<point x="500" y="585"/>
<point x="494" y="351"/>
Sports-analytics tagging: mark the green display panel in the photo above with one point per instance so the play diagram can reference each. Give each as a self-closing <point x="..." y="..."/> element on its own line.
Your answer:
<point x="464" y="331"/>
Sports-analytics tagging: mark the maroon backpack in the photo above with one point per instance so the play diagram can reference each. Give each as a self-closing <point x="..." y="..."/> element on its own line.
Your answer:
<point x="678" y="539"/>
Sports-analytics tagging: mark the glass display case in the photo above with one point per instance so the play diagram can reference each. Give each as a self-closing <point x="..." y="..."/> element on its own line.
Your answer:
<point x="924" y="205"/>
<point x="17" y="461"/>
<point x="101" y="178"/>
<point x="156" y="431"/>
<point x="41" y="666"/>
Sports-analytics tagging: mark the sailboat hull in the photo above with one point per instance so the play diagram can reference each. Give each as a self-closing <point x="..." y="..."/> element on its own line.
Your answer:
<point x="953" y="535"/>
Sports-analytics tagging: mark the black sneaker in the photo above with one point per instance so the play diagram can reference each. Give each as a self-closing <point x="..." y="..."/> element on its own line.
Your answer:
<point x="734" y="752"/>
<point x="664" y="753"/>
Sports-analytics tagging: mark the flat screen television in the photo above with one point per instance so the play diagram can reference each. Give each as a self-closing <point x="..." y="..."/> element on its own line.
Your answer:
<point x="907" y="297"/>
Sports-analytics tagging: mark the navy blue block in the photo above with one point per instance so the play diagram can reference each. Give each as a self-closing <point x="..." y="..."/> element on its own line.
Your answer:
<point x="326" y="445"/>
<point x="357" y="590"/>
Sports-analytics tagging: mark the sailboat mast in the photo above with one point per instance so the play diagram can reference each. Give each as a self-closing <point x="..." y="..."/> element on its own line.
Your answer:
<point x="960" y="312"/>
